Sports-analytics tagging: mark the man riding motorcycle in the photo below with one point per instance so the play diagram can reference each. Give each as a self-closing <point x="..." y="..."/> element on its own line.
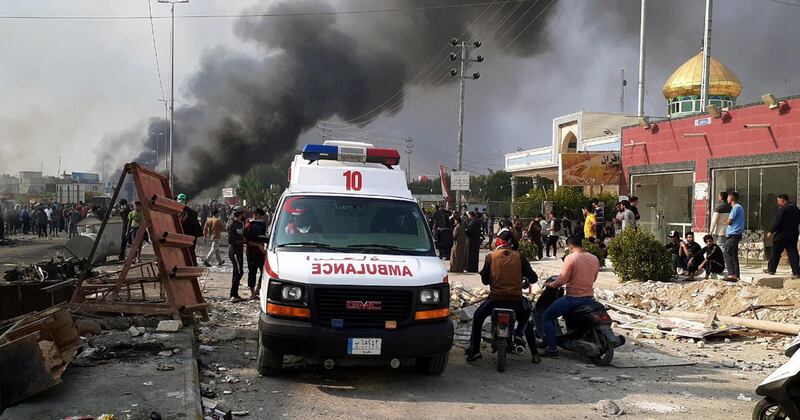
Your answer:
<point x="503" y="271"/>
<point x="578" y="275"/>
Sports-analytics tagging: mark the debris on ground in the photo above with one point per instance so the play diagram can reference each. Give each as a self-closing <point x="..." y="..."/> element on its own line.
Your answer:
<point x="57" y="268"/>
<point x="728" y="299"/>
<point x="38" y="346"/>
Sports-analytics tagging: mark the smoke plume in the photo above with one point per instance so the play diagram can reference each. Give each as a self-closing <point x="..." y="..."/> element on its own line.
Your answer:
<point x="249" y="110"/>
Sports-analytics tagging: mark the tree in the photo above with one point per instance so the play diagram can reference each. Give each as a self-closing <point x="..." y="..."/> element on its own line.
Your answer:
<point x="263" y="185"/>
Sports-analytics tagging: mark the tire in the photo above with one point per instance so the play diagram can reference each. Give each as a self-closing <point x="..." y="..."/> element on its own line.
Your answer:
<point x="434" y="365"/>
<point x="502" y="345"/>
<point x="766" y="409"/>
<point x="605" y="358"/>
<point x="268" y="362"/>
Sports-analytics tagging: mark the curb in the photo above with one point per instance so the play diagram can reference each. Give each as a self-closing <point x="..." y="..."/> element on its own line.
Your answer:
<point x="193" y="402"/>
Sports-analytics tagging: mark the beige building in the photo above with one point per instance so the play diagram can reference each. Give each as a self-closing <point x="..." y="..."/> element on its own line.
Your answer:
<point x="572" y="133"/>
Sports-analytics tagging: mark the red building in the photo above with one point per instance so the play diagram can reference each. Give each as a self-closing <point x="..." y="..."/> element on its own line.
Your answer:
<point x="678" y="166"/>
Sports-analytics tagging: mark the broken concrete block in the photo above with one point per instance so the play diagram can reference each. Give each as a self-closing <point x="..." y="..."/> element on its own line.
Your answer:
<point x="136" y="331"/>
<point x="791" y="284"/>
<point x="608" y="407"/>
<point x="88" y="327"/>
<point x="224" y="333"/>
<point x="169" y="326"/>
<point x="771" y="282"/>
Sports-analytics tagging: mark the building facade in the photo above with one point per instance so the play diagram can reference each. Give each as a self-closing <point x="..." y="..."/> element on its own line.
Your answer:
<point x="576" y="133"/>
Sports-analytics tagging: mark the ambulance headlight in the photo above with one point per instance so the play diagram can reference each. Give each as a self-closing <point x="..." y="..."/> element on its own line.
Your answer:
<point x="292" y="293"/>
<point x="429" y="297"/>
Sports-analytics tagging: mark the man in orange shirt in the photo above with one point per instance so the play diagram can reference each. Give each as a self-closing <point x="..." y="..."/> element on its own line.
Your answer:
<point x="578" y="275"/>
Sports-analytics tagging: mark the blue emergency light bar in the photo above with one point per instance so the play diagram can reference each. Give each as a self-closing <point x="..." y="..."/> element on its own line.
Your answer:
<point x="315" y="152"/>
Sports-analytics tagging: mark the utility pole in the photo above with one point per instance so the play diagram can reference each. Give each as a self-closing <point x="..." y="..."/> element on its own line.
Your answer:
<point x="640" y="110"/>
<point x="622" y="93"/>
<point x="706" y="77"/>
<point x="172" y="89"/>
<point x="409" y="149"/>
<point x="462" y="82"/>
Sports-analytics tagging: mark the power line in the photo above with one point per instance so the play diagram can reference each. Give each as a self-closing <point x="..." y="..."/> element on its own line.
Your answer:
<point x="263" y="15"/>
<point x="787" y="3"/>
<point x="526" y="27"/>
<point x="155" y="51"/>
<point x="399" y="100"/>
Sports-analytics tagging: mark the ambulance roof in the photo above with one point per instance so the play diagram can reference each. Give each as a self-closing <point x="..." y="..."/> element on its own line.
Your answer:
<point x="347" y="178"/>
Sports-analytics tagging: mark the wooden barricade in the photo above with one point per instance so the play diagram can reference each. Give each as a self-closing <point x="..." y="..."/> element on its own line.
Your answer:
<point x="172" y="276"/>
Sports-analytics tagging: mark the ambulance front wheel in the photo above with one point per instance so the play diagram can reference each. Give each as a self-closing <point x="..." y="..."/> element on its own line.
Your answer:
<point x="269" y="362"/>
<point x="434" y="365"/>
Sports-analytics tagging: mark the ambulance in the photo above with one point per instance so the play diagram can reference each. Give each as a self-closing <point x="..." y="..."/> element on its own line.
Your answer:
<point x="354" y="277"/>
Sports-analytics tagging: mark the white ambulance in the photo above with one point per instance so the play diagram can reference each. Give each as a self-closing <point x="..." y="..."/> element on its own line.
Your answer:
<point x="353" y="271"/>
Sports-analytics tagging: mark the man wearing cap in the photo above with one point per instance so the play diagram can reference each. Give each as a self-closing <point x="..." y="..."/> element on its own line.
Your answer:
<point x="190" y="225"/>
<point x="674" y="248"/>
<point x="503" y="270"/>
<point x="236" y="243"/>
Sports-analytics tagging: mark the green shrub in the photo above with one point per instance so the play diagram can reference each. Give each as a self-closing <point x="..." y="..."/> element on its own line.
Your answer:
<point x="638" y="256"/>
<point x="528" y="249"/>
<point x="595" y="250"/>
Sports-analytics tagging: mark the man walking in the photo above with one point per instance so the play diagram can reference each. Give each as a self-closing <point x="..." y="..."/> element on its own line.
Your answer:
<point x="733" y="235"/>
<point x="784" y="235"/>
<point x="124" y="211"/>
<point x="255" y="234"/>
<point x="212" y="231"/>
<point x="236" y="251"/>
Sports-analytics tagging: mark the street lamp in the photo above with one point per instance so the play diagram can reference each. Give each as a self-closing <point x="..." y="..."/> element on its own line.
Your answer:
<point x="172" y="87"/>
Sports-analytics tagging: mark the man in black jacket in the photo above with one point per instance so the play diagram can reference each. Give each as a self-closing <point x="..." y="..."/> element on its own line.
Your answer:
<point x="784" y="235"/>
<point x="236" y="241"/>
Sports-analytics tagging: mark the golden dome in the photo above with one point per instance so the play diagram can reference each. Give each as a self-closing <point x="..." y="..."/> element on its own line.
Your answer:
<point x="686" y="80"/>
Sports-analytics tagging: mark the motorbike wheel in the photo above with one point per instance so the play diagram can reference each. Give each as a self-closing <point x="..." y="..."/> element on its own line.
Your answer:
<point x="605" y="358"/>
<point x="766" y="409"/>
<point x="502" y="346"/>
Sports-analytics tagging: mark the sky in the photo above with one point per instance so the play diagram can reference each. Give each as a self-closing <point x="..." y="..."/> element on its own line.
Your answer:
<point x="69" y="86"/>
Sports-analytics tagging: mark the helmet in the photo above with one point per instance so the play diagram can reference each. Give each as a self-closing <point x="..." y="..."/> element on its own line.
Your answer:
<point x="182" y="197"/>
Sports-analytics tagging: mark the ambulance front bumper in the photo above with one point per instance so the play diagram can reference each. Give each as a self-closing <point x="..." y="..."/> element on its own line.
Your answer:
<point x="303" y="338"/>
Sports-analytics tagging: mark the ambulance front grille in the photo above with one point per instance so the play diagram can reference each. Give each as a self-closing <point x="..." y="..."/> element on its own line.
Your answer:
<point x="331" y="303"/>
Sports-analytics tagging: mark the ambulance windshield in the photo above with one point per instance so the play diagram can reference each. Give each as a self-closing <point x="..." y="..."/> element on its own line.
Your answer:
<point x="352" y="224"/>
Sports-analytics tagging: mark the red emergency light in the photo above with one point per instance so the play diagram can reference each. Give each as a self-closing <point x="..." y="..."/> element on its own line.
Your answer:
<point x="388" y="157"/>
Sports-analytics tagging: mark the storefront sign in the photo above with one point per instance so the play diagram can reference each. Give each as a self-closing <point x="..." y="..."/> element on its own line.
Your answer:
<point x="590" y="168"/>
<point x="702" y="121"/>
<point x="701" y="191"/>
<point x="228" y="192"/>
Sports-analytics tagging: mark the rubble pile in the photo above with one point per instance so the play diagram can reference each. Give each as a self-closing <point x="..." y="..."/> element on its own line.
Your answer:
<point x="461" y="297"/>
<point x="224" y="317"/>
<point x="730" y="299"/>
<point x="59" y="268"/>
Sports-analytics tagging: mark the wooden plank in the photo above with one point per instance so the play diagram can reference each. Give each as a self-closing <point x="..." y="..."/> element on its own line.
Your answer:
<point x="778" y="327"/>
<point x="130" y="308"/>
<point x="31" y="375"/>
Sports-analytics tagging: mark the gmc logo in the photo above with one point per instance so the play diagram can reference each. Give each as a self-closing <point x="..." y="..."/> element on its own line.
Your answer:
<point x="357" y="305"/>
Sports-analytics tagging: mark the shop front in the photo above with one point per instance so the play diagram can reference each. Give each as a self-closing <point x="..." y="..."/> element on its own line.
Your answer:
<point x="665" y="197"/>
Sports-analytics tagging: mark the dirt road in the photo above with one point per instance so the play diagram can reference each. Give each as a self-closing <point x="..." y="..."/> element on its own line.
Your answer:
<point x="563" y="388"/>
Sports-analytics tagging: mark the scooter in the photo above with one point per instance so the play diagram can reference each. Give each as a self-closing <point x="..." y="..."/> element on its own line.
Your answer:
<point x="781" y="389"/>
<point x="588" y="328"/>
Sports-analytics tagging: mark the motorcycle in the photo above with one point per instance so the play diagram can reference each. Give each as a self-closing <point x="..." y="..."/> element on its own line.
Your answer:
<point x="781" y="389"/>
<point x="588" y="328"/>
<point x="503" y="339"/>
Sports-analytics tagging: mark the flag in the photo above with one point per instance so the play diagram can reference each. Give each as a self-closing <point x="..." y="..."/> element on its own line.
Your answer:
<point x="445" y="189"/>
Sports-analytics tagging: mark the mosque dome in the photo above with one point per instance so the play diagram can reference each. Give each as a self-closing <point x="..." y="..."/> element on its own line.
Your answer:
<point x="686" y="80"/>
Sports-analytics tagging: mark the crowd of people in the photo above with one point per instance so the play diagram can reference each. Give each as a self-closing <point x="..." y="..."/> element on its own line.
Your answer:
<point x="43" y="219"/>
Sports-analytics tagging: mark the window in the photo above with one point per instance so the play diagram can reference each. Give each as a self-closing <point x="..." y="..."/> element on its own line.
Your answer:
<point x="758" y="188"/>
<point x="352" y="224"/>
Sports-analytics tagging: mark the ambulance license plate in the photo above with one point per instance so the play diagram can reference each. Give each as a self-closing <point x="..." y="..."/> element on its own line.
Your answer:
<point x="369" y="346"/>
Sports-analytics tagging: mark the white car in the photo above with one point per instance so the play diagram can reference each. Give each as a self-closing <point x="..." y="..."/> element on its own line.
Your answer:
<point x="353" y="271"/>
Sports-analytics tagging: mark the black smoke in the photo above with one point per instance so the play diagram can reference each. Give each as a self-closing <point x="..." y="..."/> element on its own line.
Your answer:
<point x="250" y="110"/>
